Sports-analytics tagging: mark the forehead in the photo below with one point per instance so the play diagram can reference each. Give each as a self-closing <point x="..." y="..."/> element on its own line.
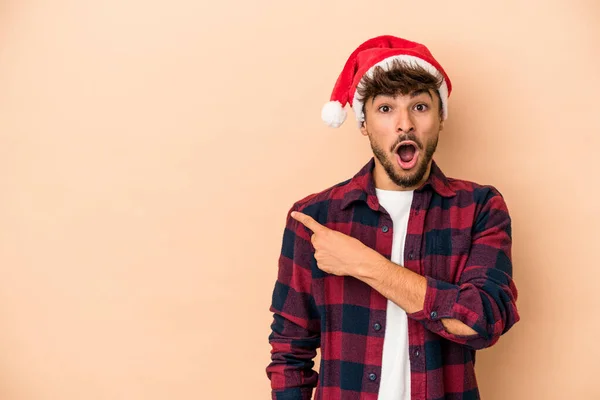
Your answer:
<point x="417" y="94"/>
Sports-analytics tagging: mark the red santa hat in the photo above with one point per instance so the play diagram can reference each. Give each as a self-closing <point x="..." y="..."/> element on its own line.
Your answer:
<point x="379" y="51"/>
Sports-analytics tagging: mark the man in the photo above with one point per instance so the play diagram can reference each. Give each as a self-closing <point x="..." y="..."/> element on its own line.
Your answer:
<point x="399" y="274"/>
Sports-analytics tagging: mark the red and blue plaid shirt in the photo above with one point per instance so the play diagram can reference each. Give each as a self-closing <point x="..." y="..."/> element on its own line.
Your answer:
<point x="458" y="237"/>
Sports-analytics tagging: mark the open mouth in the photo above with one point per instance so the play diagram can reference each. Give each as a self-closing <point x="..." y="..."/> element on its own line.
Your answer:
<point x="407" y="154"/>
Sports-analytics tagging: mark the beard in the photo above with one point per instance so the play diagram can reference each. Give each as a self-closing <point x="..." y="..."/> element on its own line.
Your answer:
<point x="405" y="178"/>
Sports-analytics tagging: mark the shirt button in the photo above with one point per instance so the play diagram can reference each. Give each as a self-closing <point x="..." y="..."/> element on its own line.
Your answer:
<point x="411" y="256"/>
<point x="377" y="326"/>
<point x="385" y="229"/>
<point x="417" y="353"/>
<point x="433" y="314"/>
<point x="372" y="377"/>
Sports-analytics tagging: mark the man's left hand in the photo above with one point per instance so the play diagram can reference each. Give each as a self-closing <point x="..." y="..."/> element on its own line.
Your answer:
<point x="335" y="252"/>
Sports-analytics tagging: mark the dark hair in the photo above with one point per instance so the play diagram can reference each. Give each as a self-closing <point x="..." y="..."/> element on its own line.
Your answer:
<point x="400" y="79"/>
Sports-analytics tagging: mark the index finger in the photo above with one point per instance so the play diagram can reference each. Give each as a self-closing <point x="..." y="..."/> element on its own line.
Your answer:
<point x="307" y="221"/>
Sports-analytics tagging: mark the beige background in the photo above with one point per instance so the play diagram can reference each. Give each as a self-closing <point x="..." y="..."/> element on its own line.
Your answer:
<point x="149" y="151"/>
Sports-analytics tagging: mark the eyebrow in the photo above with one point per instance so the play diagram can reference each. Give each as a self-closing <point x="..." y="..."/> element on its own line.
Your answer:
<point x="420" y="92"/>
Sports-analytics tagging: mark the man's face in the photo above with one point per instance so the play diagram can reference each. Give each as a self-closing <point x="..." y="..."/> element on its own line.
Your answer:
<point x="403" y="131"/>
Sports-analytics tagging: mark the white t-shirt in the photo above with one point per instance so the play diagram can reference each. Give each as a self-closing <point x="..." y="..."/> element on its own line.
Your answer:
<point x="395" y="368"/>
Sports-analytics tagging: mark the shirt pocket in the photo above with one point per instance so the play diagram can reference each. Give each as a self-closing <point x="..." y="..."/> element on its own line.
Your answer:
<point x="445" y="253"/>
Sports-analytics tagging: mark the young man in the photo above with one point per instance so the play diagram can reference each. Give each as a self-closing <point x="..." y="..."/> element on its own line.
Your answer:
<point x="399" y="274"/>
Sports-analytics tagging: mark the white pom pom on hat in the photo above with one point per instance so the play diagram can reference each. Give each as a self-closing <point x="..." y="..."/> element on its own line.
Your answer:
<point x="378" y="51"/>
<point x="333" y="114"/>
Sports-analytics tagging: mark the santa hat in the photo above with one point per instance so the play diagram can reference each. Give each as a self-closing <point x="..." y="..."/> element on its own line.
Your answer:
<point x="379" y="51"/>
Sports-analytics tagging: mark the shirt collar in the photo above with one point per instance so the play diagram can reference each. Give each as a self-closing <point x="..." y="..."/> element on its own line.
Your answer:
<point x="362" y="185"/>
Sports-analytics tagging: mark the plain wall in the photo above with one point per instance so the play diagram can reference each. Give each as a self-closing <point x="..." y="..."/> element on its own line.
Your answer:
<point x="149" y="152"/>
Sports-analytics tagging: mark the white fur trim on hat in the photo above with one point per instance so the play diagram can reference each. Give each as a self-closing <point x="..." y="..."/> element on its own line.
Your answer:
<point x="386" y="64"/>
<point x="333" y="114"/>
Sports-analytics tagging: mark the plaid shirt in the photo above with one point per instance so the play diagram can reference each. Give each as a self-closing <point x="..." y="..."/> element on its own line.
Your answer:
<point x="458" y="237"/>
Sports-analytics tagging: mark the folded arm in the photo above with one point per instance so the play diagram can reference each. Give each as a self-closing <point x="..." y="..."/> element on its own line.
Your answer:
<point x="478" y="309"/>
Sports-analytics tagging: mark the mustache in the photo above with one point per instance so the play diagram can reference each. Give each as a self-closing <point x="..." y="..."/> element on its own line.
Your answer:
<point x="407" y="136"/>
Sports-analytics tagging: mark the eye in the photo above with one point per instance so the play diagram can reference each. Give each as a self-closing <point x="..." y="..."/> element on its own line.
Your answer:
<point x="384" y="108"/>
<point x="421" y="107"/>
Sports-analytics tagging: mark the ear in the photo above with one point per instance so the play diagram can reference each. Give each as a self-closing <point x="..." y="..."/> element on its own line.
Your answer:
<point x="363" y="128"/>
<point x="441" y="125"/>
<point x="363" y="124"/>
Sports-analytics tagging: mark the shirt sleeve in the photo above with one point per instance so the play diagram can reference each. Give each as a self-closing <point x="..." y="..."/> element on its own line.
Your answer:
<point x="485" y="296"/>
<point x="295" y="331"/>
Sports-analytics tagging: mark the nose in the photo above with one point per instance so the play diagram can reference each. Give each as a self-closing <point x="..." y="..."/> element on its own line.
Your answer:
<point x="405" y="123"/>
